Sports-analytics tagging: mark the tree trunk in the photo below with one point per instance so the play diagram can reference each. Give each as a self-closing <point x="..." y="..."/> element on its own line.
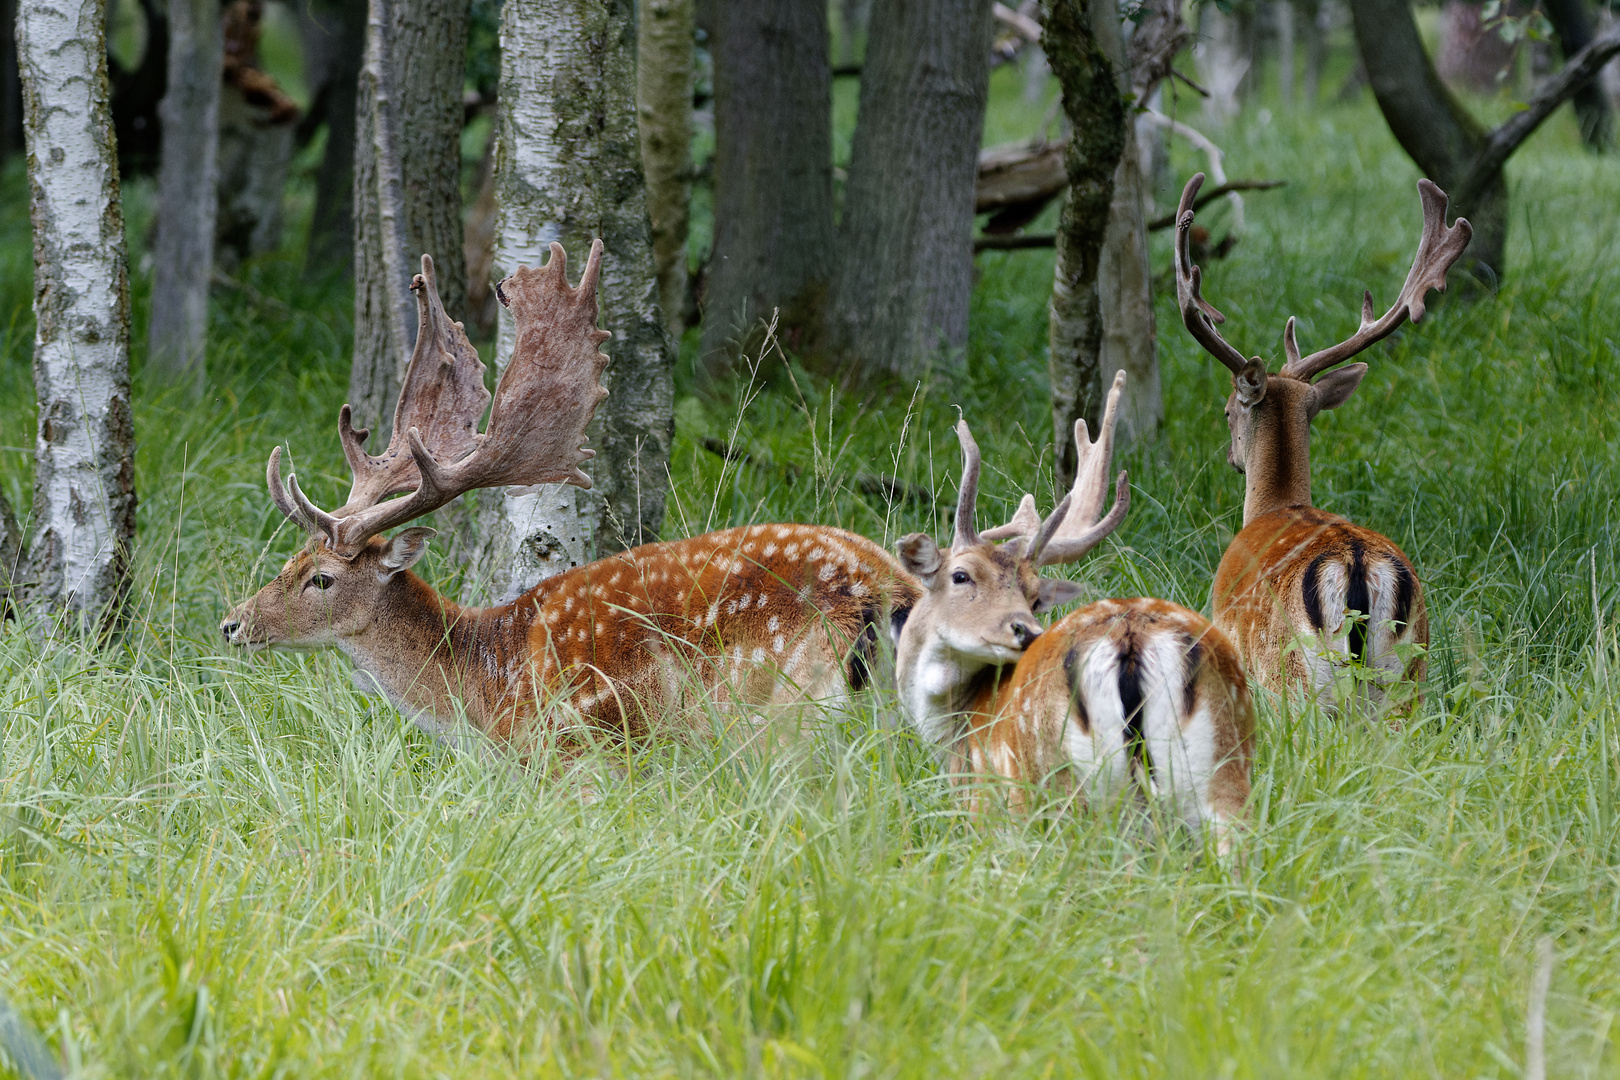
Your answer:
<point x="1096" y="112"/>
<point x="11" y="123"/>
<point x="334" y="37"/>
<point x="853" y="16"/>
<point x="1472" y="55"/>
<point x="256" y="122"/>
<point x="568" y="169"/>
<point x="1314" y="13"/>
<point x="664" y="96"/>
<point x="907" y="236"/>
<point x="773" y="205"/>
<point x="422" y="67"/>
<point x="188" y="180"/>
<point x="137" y="94"/>
<point x="1282" y="14"/>
<point x="1225" y="56"/>
<point x="1429" y="122"/>
<point x="84" y="454"/>
<point x="1573" y="24"/>
<point x="1124" y="274"/>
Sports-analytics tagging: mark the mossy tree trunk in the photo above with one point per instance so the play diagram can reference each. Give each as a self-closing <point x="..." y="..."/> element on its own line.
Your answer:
<point x="1096" y="112"/>
<point x="568" y="169"/>
<point x="664" y="96"/>
<point x="84" y="453"/>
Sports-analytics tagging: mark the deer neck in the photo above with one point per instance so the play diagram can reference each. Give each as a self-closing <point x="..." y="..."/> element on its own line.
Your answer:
<point x="1277" y="472"/>
<point x="438" y="661"/>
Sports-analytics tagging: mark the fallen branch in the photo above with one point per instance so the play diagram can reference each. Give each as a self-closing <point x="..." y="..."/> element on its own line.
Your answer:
<point x="1207" y="197"/>
<point x="1013" y="243"/>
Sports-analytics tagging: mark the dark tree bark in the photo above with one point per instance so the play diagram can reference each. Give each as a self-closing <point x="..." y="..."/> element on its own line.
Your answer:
<point x="1096" y="112"/>
<point x="11" y="125"/>
<point x="1573" y="24"/>
<point x="334" y="38"/>
<point x="907" y="236"/>
<point x="664" y="104"/>
<point x="256" y="127"/>
<point x="137" y="94"/>
<point x="428" y="49"/>
<point x="773" y="208"/>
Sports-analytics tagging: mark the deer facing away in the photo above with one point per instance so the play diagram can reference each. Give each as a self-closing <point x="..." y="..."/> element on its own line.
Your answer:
<point x="1117" y="690"/>
<point x="629" y="645"/>
<point x="1303" y="592"/>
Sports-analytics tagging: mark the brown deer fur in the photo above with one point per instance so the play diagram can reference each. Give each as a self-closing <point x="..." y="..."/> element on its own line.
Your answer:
<point x="1303" y="593"/>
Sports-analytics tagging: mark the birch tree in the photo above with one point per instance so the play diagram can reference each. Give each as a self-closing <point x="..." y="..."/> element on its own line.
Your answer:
<point x="188" y="178"/>
<point x="84" y="468"/>
<point x="568" y="168"/>
<point x="407" y="189"/>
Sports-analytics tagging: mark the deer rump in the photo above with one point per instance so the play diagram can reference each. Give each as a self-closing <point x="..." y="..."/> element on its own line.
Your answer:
<point x="1122" y="695"/>
<point x="1327" y="593"/>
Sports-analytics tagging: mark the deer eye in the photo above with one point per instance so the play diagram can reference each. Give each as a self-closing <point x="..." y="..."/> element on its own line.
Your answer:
<point x="322" y="581"/>
<point x="960" y="577"/>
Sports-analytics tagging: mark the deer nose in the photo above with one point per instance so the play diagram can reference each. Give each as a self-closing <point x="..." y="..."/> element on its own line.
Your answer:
<point x="229" y="628"/>
<point x="1023" y="633"/>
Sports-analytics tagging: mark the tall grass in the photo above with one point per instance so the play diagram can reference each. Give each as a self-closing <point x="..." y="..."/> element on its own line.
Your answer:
<point x="212" y="865"/>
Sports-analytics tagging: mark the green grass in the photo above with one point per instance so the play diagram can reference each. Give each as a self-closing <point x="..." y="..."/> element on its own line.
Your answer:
<point x="218" y="866"/>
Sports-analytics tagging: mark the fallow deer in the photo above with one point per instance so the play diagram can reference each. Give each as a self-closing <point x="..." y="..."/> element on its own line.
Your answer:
<point x="1117" y="689"/>
<point x="628" y="644"/>
<point x="1302" y="591"/>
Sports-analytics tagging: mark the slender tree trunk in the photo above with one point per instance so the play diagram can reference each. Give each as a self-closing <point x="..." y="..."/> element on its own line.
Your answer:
<point x="183" y="255"/>
<point x="1096" y="112"/>
<point x="1282" y="13"/>
<point x="420" y="62"/>
<point x="84" y="454"/>
<point x="664" y="96"/>
<point x="137" y="94"/>
<point x="1429" y="122"/>
<point x="1124" y="274"/>
<point x="1573" y="23"/>
<point x="906" y="239"/>
<point x="1314" y="13"/>
<point x="256" y="125"/>
<point x="568" y="168"/>
<point x="773" y="206"/>
<point x="11" y="122"/>
<point x="1225" y="56"/>
<point x="334" y="37"/>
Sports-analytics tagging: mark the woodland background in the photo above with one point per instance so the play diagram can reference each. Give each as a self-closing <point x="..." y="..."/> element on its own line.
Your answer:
<point x="215" y="866"/>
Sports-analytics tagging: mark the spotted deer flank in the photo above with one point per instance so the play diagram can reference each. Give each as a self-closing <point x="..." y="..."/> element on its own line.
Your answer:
<point x="630" y="645"/>
<point x="1309" y="596"/>
<point x="1118" y="697"/>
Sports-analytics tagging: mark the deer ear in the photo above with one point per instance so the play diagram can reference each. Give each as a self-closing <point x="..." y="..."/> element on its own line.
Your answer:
<point x="1055" y="592"/>
<point x="403" y="550"/>
<point x="1250" y="383"/>
<point x="1335" y="388"/>
<point x="919" y="555"/>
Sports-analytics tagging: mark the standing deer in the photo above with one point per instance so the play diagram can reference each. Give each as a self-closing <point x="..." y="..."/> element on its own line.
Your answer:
<point x="1118" y="688"/>
<point x="1302" y="591"/>
<point x="630" y="644"/>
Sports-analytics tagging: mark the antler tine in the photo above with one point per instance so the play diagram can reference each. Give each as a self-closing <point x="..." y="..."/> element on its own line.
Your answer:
<point x="1197" y="314"/>
<point x="1438" y="247"/>
<point x="1073" y="528"/>
<point x="966" y="535"/>
<point x="294" y="506"/>
<point x="1026" y="521"/>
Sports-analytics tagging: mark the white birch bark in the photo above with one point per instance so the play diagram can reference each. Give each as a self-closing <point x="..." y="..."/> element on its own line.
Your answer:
<point x="568" y="169"/>
<point x="188" y="181"/>
<point x="84" y="478"/>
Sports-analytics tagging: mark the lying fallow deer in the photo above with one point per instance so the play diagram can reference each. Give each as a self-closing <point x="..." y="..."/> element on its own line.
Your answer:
<point x="1284" y="588"/>
<point x="762" y="614"/>
<point x="1117" y="688"/>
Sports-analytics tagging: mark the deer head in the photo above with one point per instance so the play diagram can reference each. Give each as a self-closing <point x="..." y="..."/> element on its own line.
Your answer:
<point x="1269" y="414"/>
<point x="981" y="598"/>
<point x="337" y="586"/>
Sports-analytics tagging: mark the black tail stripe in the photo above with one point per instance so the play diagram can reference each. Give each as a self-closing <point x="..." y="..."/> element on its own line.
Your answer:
<point x="1405" y="589"/>
<point x="1356" y="599"/>
<point x="1071" y="668"/>
<point x="1189" y="689"/>
<point x="1311" y="587"/>
<point x="1130" y="703"/>
<point x="864" y="655"/>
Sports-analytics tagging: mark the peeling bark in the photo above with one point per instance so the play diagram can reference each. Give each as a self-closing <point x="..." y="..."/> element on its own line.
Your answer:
<point x="84" y="479"/>
<point x="568" y="168"/>
<point x="188" y="181"/>
<point x="422" y="112"/>
<point x="664" y="97"/>
<point x="1096" y="112"/>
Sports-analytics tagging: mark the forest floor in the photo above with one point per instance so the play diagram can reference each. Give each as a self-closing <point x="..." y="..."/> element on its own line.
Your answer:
<point x="220" y="865"/>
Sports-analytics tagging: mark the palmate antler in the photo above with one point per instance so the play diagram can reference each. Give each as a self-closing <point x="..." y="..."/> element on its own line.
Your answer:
<point x="544" y="400"/>
<point x="1073" y="528"/>
<point x="1438" y="248"/>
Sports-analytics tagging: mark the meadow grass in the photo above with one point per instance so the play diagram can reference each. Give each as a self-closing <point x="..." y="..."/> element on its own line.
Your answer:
<point x="214" y="865"/>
